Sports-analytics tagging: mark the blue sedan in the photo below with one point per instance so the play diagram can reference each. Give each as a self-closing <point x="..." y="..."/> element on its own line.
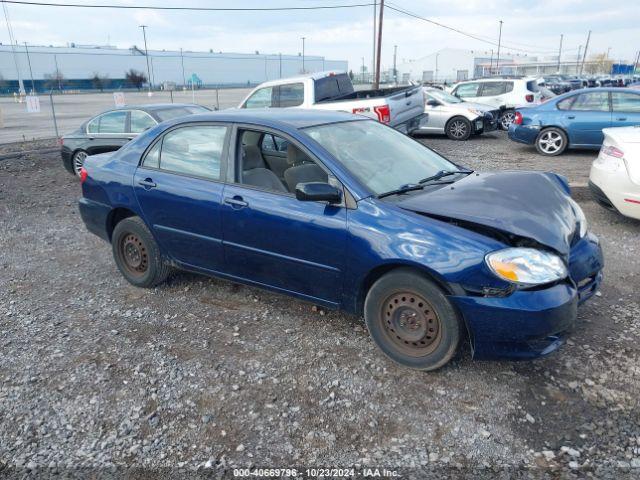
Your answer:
<point x="347" y="213"/>
<point x="575" y="119"/>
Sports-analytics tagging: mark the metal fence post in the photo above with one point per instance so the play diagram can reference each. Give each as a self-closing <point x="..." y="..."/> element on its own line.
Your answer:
<point x="53" y="111"/>
<point x="171" y="92"/>
<point x="217" y="99"/>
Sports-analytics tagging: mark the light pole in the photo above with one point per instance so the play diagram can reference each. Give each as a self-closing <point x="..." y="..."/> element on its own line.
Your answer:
<point x="395" y="70"/>
<point x="33" y="88"/>
<point x="435" y="79"/>
<point x="146" y="53"/>
<point x="184" y="80"/>
<point x="499" y="42"/>
<point x="280" y="65"/>
<point x="363" y="70"/>
<point x="560" y="52"/>
<point x="303" y="70"/>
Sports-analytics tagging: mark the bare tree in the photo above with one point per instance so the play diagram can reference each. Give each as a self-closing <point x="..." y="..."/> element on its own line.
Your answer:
<point x="54" y="80"/>
<point x="98" y="81"/>
<point x="135" y="78"/>
<point x="598" y="63"/>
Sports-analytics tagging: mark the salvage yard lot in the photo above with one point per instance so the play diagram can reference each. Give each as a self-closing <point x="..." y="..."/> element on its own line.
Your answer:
<point x="202" y="373"/>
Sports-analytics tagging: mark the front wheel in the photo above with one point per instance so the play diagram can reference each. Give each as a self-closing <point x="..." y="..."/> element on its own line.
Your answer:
<point x="137" y="255"/>
<point x="506" y="119"/>
<point x="551" y="142"/>
<point x="411" y="320"/>
<point x="458" y="128"/>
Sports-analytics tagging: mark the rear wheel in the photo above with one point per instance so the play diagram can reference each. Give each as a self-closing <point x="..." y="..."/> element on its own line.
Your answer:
<point x="551" y="142"/>
<point x="411" y="320"/>
<point x="77" y="161"/>
<point x="137" y="255"/>
<point x="458" y="128"/>
<point x="506" y="119"/>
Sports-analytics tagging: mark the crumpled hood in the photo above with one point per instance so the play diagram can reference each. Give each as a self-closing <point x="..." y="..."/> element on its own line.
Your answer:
<point x="533" y="205"/>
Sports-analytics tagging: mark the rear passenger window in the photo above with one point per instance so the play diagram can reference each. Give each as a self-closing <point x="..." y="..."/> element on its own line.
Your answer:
<point x="566" y="103"/>
<point x="113" y="122"/>
<point x="141" y="121"/>
<point x="625" y="102"/>
<point x="152" y="159"/>
<point x="491" y="89"/>
<point x="592" y="101"/>
<point x="291" y="95"/>
<point x="193" y="150"/>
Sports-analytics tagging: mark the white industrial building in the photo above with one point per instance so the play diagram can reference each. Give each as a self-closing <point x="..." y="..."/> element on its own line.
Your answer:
<point x="78" y="64"/>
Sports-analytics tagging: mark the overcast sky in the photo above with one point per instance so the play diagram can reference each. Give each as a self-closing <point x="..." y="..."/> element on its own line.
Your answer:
<point x="340" y="34"/>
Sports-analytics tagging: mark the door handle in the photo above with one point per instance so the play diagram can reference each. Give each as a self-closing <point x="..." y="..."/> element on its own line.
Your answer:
<point x="571" y="117"/>
<point x="147" y="183"/>
<point x="621" y="119"/>
<point x="236" y="202"/>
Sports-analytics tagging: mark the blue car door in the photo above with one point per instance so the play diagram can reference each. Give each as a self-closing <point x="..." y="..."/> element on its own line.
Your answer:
<point x="179" y="189"/>
<point x="586" y="116"/>
<point x="272" y="238"/>
<point x="626" y="108"/>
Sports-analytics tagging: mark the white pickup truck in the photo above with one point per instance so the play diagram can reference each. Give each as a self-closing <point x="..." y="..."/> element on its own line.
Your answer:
<point x="399" y="107"/>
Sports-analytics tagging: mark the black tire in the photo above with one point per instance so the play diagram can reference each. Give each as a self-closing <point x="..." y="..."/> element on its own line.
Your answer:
<point x="77" y="161"/>
<point x="506" y="118"/>
<point x="551" y="142"/>
<point x="137" y="255"/>
<point x="411" y="320"/>
<point x="458" y="128"/>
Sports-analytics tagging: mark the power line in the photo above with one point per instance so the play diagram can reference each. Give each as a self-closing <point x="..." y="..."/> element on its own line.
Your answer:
<point x="197" y="9"/>
<point x="456" y="30"/>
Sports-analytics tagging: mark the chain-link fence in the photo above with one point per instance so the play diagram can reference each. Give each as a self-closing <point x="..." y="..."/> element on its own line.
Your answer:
<point x="62" y="113"/>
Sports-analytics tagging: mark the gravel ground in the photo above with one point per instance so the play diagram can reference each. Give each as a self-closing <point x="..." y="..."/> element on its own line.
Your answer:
<point x="201" y="375"/>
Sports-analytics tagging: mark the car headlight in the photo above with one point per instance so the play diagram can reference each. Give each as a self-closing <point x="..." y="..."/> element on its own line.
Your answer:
<point x="526" y="266"/>
<point x="582" y="220"/>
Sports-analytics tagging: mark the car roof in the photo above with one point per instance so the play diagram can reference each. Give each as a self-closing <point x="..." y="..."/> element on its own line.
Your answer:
<point x="275" y="117"/>
<point x="150" y="107"/>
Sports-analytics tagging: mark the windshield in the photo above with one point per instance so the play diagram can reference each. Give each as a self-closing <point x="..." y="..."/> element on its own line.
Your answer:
<point x="380" y="157"/>
<point x="443" y="96"/>
<point x="175" y="112"/>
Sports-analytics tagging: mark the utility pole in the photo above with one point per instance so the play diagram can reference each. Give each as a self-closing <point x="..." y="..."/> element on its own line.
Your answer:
<point x="395" y="71"/>
<point x="58" y="72"/>
<point x="435" y="79"/>
<point x="146" y="53"/>
<point x="375" y="21"/>
<point x="184" y="79"/>
<point x="303" y="70"/>
<point x="584" y="56"/>
<point x="608" y="51"/>
<point x="578" y="60"/>
<point x="379" y="49"/>
<point x="362" y="69"/>
<point x="33" y="87"/>
<point x="280" y="65"/>
<point x="13" y="49"/>
<point x="499" y="42"/>
<point x="560" y="52"/>
<point x="491" y="64"/>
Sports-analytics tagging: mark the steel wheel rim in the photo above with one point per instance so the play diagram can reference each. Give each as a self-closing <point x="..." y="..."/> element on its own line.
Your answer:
<point x="507" y="119"/>
<point x="550" y="142"/>
<point x="78" y="161"/>
<point x="134" y="255"/>
<point x="411" y="324"/>
<point x="458" y="129"/>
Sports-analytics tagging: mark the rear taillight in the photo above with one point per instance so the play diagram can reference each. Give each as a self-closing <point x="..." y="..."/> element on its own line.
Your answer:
<point x="83" y="174"/>
<point x="612" y="151"/>
<point x="383" y="112"/>
<point x="529" y="98"/>
<point x="518" y="118"/>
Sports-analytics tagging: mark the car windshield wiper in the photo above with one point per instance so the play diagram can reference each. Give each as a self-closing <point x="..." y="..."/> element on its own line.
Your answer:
<point x="409" y="187"/>
<point x="442" y="174"/>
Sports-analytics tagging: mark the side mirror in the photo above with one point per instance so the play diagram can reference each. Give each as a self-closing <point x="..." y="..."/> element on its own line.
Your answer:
<point x="433" y="103"/>
<point x="318" y="192"/>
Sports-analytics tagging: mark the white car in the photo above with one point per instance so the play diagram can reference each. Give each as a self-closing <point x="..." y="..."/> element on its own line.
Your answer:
<point x="507" y="94"/>
<point x="456" y="118"/>
<point x="615" y="175"/>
